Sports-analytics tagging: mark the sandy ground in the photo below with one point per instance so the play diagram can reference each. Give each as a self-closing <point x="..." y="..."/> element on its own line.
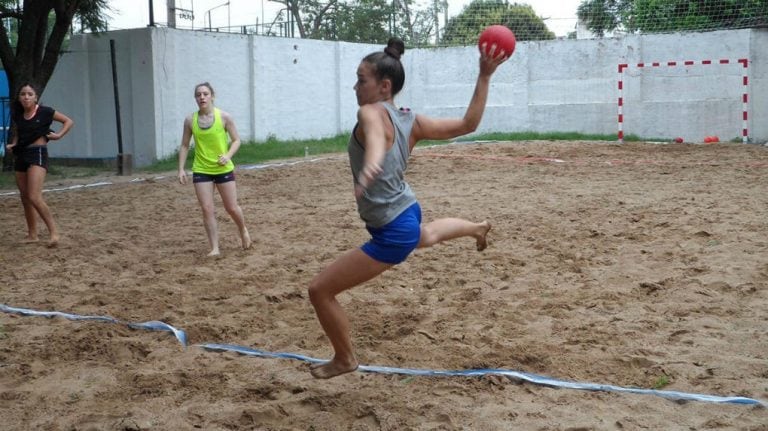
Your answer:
<point x="624" y="265"/>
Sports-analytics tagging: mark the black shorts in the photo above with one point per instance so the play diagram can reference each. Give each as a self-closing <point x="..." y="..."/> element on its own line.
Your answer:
<point x="23" y="158"/>
<point x="217" y="179"/>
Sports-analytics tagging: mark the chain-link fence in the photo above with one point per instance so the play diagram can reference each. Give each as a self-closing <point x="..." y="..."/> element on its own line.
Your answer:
<point x="429" y="23"/>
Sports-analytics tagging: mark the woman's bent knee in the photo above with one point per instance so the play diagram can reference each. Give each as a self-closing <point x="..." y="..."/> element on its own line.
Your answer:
<point x="233" y="211"/>
<point x="37" y="201"/>
<point x="316" y="292"/>
<point x="427" y="238"/>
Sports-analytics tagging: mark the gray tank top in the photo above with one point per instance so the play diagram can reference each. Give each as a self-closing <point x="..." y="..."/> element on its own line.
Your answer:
<point x="389" y="195"/>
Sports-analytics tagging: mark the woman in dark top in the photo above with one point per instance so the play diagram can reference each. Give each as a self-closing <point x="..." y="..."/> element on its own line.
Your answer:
<point x="30" y="133"/>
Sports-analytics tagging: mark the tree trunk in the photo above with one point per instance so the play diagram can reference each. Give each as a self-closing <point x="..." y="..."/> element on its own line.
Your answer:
<point x="36" y="56"/>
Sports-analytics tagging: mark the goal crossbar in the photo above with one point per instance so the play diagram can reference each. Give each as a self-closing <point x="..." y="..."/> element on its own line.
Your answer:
<point x="687" y="63"/>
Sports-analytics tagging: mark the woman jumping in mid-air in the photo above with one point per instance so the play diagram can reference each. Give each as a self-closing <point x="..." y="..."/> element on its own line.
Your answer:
<point x="379" y="148"/>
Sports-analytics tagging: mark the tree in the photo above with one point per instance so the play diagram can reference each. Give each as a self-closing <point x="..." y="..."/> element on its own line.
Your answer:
<point x="38" y="47"/>
<point x="31" y="52"/>
<point x="356" y="21"/>
<point x="601" y="16"/>
<point x="418" y="27"/>
<point x="464" y="28"/>
<point x="652" y="16"/>
<point x="369" y="21"/>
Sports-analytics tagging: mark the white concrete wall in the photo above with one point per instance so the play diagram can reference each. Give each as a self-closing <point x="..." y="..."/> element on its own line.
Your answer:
<point x="302" y="89"/>
<point x="82" y="88"/>
<point x="687" y="101"/>
<point x="758" y="75"/>
<point x="184" y="59"/>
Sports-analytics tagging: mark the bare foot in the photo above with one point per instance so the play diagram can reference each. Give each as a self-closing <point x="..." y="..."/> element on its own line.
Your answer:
<point x="214" y="253"/>
<point x="29" y="239"/>
<point x="246" y="239"/>
<point x="482" y="240"/>
<point x="332" y="368"/>
<point x="54" y="241"/>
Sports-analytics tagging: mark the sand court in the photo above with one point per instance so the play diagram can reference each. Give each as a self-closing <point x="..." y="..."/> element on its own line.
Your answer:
<point x="637" y="265"/>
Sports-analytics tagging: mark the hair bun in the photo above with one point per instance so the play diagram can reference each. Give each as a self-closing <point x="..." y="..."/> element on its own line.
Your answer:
<point x="395" y="48"/>
<point x="392" y="52"/>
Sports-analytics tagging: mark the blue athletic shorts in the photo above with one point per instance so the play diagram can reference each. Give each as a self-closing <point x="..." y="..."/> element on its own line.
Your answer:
<point x="217" y="179"/>
<point x="393" y="242"/>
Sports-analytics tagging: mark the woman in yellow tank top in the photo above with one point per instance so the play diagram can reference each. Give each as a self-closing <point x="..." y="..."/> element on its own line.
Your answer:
<point x="212" y="166"/>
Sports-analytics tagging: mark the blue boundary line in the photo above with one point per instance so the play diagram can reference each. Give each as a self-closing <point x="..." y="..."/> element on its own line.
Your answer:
<point x="537" y="379"/>
<point x="153" y="325"/>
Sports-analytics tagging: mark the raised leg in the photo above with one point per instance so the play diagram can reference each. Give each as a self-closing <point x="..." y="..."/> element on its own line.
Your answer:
<point x="450" y="228"/>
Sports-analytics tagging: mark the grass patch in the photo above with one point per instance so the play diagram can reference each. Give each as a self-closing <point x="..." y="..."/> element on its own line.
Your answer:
<point x="7" y="180"/>
<point x="545" y="136"/>
<point x="661" y="382"/>
<point x="273" y="149"/>
<point x="537" y="136"/>
<point x="59" y="172"/>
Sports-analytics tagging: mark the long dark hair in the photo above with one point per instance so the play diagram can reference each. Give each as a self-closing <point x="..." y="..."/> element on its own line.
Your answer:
<point x="16" y="109"/>
<point x="387" y="64"/>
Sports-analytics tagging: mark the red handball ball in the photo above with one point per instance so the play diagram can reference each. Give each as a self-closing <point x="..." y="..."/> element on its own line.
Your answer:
<point x="500" y="35"/>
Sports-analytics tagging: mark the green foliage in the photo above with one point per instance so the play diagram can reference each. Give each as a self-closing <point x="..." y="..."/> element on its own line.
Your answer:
<point x="417" y="24"/>
<point x="661" y="382"/>
<point x="465" y="28"/>
<point x="654" y="16"/>
<point x="273" y="149"/>
<point x="7" y="180"/>
<point x="31" y="49"/>
<point x="600" y="16"/>
<point x="543" y="136"/>
<point x="367" y="21"/>
<point x="31" y="44"/>
<point x="358" y="21"/>
<point x="92" y="15"/>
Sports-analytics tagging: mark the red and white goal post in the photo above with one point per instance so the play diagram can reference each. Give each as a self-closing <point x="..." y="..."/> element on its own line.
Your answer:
<point x="688" y="63"/>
